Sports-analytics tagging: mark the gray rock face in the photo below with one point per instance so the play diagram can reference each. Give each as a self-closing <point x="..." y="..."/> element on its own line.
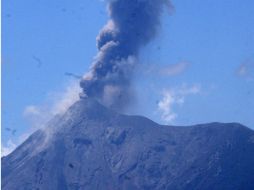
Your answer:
<point x="91" y="147"/>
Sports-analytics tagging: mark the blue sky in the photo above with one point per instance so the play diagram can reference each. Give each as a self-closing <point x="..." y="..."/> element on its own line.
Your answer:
<point x="199" y="69"/>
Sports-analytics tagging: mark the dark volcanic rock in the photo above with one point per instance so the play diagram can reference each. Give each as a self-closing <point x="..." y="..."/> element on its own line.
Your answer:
<point x="91" y="147"/>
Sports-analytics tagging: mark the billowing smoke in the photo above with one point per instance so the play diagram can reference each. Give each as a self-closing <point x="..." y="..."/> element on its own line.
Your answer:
<point x="132" y="24"/>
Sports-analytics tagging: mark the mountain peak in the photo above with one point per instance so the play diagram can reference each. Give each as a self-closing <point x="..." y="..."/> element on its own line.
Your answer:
<point x="93" y="147"/>
<point x="89" y="107"/>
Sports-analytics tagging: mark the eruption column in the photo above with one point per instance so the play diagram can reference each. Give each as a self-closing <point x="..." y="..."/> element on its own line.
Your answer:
<point x="132" y="24"/>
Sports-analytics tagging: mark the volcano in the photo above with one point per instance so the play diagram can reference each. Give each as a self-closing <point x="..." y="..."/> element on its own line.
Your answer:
<point x="93" y="147"/>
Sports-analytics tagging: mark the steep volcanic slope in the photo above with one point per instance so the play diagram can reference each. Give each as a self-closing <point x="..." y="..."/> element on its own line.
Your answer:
<point x="91" y="147"/>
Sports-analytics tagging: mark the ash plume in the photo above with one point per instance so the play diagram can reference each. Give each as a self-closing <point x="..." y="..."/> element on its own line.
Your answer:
<point x="132" y="24"/>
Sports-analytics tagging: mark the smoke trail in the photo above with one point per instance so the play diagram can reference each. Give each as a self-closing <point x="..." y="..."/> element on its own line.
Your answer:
<point x="132" y="24"/>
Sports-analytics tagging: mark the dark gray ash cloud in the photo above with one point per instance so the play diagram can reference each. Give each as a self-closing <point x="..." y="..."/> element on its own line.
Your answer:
<point x="132" y="24"/>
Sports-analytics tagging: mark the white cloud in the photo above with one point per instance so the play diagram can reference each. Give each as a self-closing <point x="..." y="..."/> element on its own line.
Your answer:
<point x="174" y="97"/>
<point x="165" y="106"/>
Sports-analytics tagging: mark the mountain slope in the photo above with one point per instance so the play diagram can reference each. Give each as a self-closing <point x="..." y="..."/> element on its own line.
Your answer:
<point x="92" y="147"/>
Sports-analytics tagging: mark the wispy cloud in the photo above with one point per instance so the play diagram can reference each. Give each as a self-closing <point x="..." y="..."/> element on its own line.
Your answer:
<point x="58" y="103"/>
<point x="39" y="115"/>
<point x="174" y="97"/>
<point x="174" y="69"/>
<point x="8" y="148"/>
<point x="165" y="106"/>
<point x="169" y="70"/>
<point x="63" y="100"/>
<point x="246" y="69"/>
